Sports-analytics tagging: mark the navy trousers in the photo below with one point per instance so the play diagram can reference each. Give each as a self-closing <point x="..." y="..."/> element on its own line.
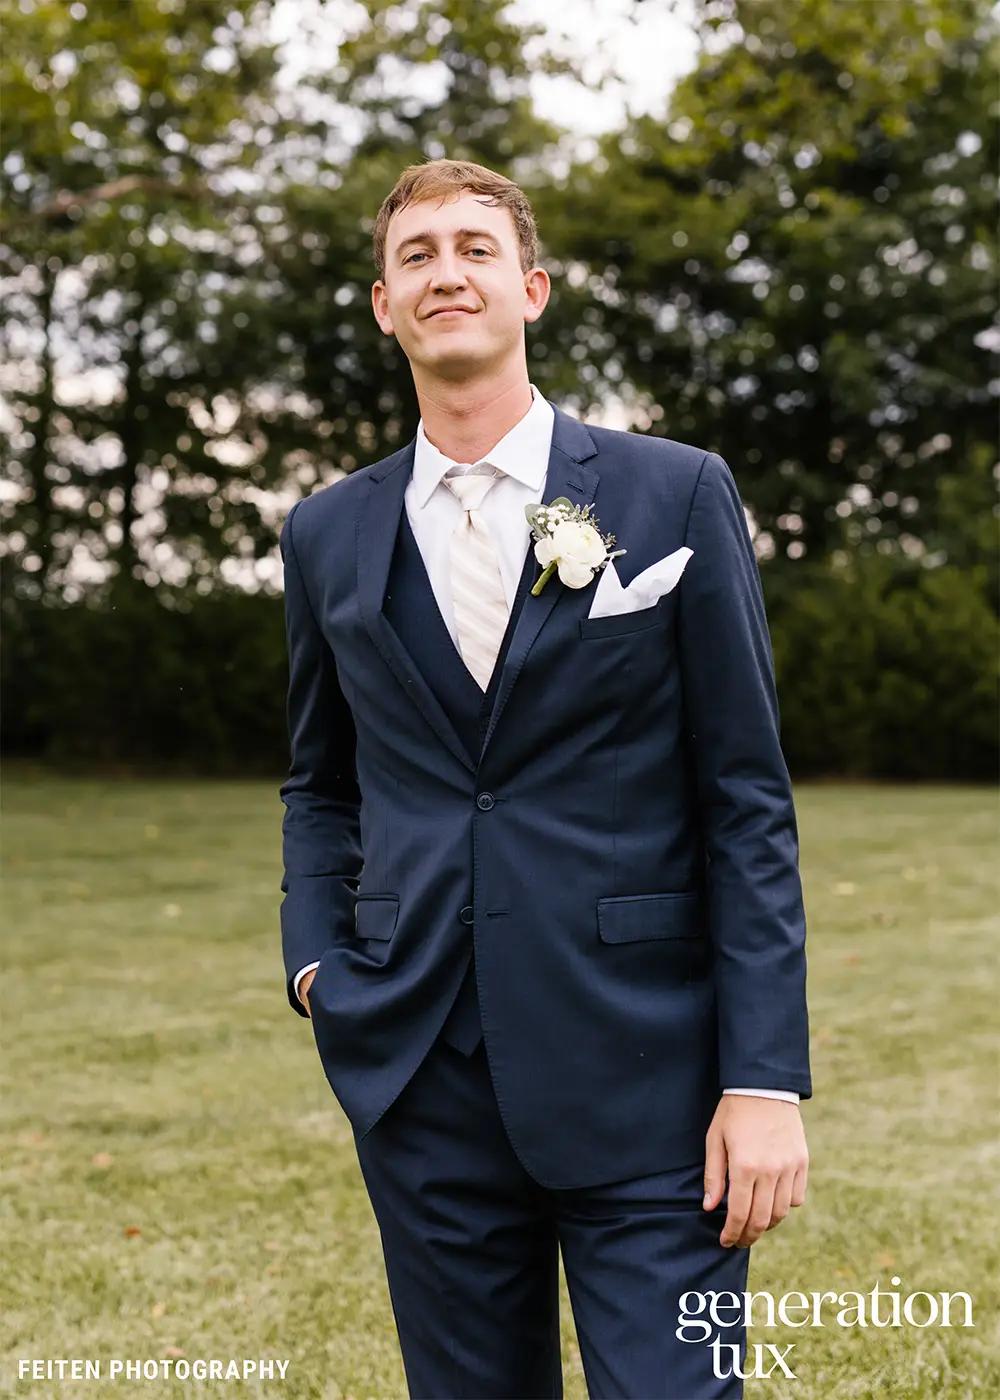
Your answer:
<point x="471" y="1245"/>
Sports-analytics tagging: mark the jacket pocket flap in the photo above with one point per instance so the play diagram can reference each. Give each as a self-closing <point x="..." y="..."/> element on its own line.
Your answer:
<point x="621" y="624"/>
<point x="629" y="918"/>
<point x="375" y="915"/>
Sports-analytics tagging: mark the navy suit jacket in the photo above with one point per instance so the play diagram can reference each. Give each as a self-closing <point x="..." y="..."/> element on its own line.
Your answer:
<point x="627" y="834"/>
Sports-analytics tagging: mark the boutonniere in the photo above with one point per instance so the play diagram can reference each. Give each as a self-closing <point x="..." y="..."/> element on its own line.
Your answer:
<point x="568" y="540"/>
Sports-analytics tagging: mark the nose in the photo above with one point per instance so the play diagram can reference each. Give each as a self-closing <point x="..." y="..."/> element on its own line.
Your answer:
<point x="448" y="273"/>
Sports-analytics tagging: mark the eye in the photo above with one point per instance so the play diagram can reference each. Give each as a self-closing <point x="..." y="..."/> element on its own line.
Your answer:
<point x="487" y="252"/>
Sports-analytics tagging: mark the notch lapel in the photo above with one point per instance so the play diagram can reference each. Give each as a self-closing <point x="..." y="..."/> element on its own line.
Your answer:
<point x="569" y="476"/>
<point x="375" y="536"/>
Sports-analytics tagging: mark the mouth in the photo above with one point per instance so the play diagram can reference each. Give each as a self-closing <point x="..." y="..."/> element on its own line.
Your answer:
<point x="452" y="311"/>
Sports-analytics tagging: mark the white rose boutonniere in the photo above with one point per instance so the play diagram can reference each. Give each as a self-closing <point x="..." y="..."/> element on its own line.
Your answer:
<point x="568" y="540"/>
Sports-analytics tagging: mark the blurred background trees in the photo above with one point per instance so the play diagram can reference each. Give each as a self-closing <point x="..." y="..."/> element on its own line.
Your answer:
<point x="791" y="263"/>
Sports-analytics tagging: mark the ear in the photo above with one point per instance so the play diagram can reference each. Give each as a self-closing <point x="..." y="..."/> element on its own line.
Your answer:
<point x="380" y="306"/>
<point x="537" y="286"/>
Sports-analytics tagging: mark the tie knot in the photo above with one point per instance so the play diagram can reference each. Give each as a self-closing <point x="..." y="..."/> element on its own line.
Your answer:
<point x="471" y="485"/>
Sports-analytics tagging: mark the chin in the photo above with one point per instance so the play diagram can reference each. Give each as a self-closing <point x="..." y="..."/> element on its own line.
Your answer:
<point x="458" y="366"/>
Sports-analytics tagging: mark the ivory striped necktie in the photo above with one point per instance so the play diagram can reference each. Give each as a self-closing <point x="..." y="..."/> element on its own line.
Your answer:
<point x="481" y="611"/>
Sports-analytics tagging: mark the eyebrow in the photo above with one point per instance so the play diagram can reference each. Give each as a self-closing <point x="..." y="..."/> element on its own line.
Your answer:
<point x="427" y="237"/>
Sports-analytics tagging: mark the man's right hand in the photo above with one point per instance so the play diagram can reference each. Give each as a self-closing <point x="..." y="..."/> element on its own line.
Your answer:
<point x="304" y="986"/>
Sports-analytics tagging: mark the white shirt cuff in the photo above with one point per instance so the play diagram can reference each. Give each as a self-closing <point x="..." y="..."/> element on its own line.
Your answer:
<point x="299" y="976"/>
<point x="788" y="1094"/>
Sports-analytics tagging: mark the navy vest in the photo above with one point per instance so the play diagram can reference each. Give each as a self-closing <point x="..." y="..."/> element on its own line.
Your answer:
<point x="412" y="610"/>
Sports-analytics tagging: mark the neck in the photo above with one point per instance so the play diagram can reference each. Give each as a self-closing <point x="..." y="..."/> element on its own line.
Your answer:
<point x="465" y="421"/>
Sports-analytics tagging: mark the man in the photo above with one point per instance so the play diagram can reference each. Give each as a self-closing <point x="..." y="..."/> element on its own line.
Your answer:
<point x="541" y="889"/>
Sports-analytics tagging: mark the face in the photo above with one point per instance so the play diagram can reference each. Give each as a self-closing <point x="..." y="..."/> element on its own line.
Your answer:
<point x="462" y="254"/>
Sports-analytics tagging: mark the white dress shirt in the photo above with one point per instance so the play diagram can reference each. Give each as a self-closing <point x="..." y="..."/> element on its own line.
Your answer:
<point x="434" y="512"/>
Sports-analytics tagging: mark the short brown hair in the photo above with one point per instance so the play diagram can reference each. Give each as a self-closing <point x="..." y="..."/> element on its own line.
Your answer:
<point x="440" y="178"/>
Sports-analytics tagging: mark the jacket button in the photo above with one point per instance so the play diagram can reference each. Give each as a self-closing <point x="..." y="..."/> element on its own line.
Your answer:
<point x="484" y="801"/>
<point x="467" y="914"/>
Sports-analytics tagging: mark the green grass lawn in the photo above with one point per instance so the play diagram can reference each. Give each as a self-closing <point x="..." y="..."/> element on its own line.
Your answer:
<point x="179" y="1180"/>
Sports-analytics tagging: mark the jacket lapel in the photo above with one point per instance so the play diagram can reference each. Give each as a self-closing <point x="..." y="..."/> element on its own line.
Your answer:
<point x="377" y="525"/>
<point x="569" y="476"/>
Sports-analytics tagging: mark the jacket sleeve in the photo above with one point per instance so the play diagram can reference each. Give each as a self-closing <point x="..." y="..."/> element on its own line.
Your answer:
<point x="755" y="909"/>
<point x="321" y="835"/>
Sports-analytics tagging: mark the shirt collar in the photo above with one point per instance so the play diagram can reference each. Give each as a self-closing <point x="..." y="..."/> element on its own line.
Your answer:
<point x="522" y="452"/>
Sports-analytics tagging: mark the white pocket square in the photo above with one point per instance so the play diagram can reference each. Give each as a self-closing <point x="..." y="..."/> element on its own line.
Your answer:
<point x="610" y="598"/>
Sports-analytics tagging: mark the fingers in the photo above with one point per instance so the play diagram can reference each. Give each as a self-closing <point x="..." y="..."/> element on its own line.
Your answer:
<point x="782" y="1198"/>
<point x="741" y="1191"/>
<point x="756" y="1201"/>
<point x="715" y="1169"/>
<point x="759" y="1200"/>
<point x="799" y="1184"/>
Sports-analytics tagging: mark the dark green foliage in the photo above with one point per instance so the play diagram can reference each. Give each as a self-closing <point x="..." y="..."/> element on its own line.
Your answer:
<point x="792" y="263"/>
<point x="884" y="670"/>
<point x="199" y="690"/>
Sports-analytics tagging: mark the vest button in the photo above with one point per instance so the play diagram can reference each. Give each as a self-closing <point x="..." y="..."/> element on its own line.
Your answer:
<point x="484" y="801"/>
<point x="467" y="914"/>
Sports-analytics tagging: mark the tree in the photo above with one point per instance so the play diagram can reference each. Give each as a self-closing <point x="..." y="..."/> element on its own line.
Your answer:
<point x="796" y="266"/>
<point x="188" y="266"/>
<point x="129" y="256"/>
